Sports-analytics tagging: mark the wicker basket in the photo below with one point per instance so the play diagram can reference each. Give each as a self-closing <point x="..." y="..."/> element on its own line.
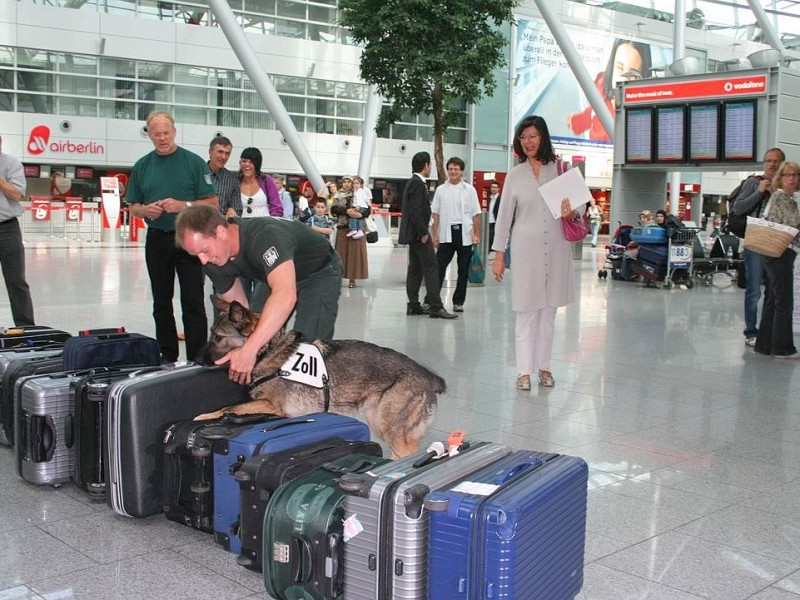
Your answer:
<point x="768" y="238"/>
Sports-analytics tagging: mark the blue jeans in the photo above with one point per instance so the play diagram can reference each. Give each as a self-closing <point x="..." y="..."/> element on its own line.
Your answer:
<point x="754" y="271"/>
<point x="595" y="227"/>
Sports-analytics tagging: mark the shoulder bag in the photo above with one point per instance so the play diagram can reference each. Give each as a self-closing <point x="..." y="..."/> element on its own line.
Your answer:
<point x="577" y="229"/>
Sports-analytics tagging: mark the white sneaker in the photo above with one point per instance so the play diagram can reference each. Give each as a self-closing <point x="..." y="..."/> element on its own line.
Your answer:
<point x="358" y="235"/>
<point x="793" y="356"/>
<point x="751" y="341"/>
<point x="352" y="233"/>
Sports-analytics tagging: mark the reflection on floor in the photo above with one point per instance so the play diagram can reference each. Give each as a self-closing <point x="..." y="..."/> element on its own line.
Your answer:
<point x="693" y="441"/>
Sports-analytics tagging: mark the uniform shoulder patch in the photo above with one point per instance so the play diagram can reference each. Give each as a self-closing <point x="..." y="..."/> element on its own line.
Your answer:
<point x="271" y="256"/>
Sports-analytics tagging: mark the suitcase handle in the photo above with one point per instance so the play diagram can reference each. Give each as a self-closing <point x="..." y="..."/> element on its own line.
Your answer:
<point x="101" y="331"/>
<point x="361" y="466"/>
<point x="301" y="559"/>
<point x="287" y="424"/>
<point x="505" y="476"/>
<point x="113" y="336"/>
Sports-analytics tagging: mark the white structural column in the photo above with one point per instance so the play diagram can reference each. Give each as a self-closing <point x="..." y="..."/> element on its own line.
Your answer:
<point x="766" y="26"/>
<point x="369" y="135"/>
<point x="574" y="60"/>
<point x="678" y="52"/>
<point x="247" y="56"/>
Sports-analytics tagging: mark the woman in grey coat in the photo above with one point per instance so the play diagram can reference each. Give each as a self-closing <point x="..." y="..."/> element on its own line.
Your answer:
<point x="543" y="273"/>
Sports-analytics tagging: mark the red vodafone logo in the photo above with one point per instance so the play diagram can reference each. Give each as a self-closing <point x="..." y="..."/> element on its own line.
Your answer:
<point x="38" y="140"/>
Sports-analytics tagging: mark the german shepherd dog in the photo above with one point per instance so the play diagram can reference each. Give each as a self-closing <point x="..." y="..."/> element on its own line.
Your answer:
<point x="396" y="395"/>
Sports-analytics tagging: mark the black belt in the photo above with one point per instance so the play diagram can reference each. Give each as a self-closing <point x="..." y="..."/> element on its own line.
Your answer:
<point x="11" y="220"/>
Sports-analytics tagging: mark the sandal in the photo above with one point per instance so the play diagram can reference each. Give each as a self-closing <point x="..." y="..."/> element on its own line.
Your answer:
<point x="546" y="379"/>
<point x="351" y="285"/>
<point x="524" y="382"/>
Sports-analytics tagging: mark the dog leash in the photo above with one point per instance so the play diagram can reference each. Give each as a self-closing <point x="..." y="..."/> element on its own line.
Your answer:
<point x="326" y="389"/>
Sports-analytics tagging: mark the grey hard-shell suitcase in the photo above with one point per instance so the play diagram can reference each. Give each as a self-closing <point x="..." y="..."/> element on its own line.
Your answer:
<point x="44" y="429"/>
<point x="386" y="523"/>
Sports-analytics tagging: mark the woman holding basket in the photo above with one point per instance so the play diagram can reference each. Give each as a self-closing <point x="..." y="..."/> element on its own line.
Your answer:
<point x="775" y="335"/>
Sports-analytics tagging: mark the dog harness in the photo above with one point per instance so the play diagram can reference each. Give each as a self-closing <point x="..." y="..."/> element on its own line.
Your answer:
<point x="306" y="366"/>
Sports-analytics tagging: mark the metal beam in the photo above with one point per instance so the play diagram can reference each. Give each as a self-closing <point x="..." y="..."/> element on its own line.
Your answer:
<point x="766" y="27"/>
<point x="263" y="85"/>
<point x="578" y="69"/>
<point x="369" y="135"/>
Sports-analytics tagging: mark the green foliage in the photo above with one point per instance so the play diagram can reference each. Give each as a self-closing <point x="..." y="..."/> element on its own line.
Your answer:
<point x="429" y="57"/>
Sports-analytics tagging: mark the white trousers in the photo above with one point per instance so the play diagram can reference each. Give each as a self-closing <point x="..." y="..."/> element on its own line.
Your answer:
<point x="534" y="337"/>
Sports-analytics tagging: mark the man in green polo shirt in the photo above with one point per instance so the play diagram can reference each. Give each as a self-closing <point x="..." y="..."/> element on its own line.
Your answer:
<point x="163" y="183"/>
<point x="302" y="271"/>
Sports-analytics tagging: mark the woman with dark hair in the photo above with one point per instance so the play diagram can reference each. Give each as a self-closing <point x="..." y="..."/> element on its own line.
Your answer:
<point x="775" y="334"/>
<point x="260" y="196"/>
<point x="628" y="61"/>
<point x="543" y="272"/>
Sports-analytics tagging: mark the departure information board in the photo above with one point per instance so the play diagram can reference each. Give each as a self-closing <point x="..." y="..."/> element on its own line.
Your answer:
<point x="739" y="139"/>
<point x="703" y="132"/>
<point x="639" y="135"/>
<point x="670" y="133"/>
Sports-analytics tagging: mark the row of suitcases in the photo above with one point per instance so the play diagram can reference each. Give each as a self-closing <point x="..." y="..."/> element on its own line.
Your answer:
<point x="310" y="501"/>
<point x="330" y="518"/>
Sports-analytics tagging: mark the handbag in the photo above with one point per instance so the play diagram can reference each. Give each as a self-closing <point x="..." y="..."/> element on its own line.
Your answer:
<point x="476" y="273"/>
<point x="575" y="230"/>
<point x="371" y="230"/>
<point x="768" y="238"/>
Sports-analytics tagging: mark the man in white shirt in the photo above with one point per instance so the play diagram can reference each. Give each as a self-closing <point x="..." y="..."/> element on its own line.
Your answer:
<point x="456" y="223"/>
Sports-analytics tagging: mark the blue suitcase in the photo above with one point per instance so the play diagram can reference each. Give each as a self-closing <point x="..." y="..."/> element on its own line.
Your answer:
<point x="656" y="255"/>
<point x="515" y="529"/>
<point x="265" y="438"/>
<point x="110" y="350"/>
<point x="649" y="235"/>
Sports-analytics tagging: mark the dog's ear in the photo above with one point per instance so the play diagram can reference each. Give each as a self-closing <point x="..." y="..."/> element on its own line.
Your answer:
<point x="220" y="304"/>
<point x="238" y="314"/>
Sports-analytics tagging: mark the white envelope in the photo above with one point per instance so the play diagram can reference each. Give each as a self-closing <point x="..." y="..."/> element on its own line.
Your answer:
<point x="567" y="185"/>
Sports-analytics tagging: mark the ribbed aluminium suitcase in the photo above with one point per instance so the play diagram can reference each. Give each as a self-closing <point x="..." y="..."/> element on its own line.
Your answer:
<point x="33" y="336"/>
<point x="275" y="436"/>
<point x="138" y="412"/>
<point x="260" y="476"/>
<point x="189" y="467"/>
<point x="649" y="235"/>
<point x="303" y="528"/>
<point x="386" y="523"/>
<point x="89" y="395"/>
<point x="110" y="350"/>
<point x="44" y="429"/>
<point x="516" y="529"/>
<point x="37" y="364"/>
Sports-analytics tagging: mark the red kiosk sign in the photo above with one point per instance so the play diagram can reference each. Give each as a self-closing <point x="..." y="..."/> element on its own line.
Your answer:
<point x="749" y="85"/>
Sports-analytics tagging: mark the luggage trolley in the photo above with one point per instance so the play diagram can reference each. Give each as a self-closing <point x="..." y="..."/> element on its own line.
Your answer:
<point x="680" y="252"/>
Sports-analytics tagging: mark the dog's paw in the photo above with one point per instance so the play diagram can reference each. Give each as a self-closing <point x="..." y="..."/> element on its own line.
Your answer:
<point x="208" y="416"/>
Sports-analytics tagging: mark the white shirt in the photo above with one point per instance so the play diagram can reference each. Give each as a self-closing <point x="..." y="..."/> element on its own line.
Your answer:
<point x="492" y="202"/>
<point x="456" y="205"/>
<point x="258" y="205"/>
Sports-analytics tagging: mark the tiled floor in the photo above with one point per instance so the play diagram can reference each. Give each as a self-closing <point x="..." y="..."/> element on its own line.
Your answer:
<point x="693" y="441"/>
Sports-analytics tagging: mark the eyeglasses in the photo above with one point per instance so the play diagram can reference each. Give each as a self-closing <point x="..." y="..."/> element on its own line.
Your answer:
<point x="790" y="174"/>
<point x="530" y="136"/>
<point x="249" y="208"/>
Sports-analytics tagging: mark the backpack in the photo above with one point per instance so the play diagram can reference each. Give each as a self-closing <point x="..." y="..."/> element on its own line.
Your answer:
<point x="737" y="224"/>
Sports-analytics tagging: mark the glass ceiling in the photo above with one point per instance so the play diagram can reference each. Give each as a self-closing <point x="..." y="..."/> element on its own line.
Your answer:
<point x="732" y="17"/>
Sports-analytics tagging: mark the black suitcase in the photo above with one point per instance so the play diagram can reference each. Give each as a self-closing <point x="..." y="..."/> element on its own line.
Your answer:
<point x="138" y="412"/>
<point x="260" y="476"/>
<point x="189" y="468"/>
<point x="89" y="394"/>
<point x="110" y="350"/>
<point x="16" y="370"/>
<point x="32" y="336"/>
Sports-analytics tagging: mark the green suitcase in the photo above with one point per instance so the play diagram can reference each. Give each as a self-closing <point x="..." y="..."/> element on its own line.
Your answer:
<point x="303" y="528"/>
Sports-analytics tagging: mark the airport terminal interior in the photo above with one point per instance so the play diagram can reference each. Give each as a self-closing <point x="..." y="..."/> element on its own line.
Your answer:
<point x="692" y="440"/>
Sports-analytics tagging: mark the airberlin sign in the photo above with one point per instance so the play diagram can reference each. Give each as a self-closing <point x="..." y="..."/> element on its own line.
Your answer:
<point x="39" y="141"/>
<point x="697" y="89"/>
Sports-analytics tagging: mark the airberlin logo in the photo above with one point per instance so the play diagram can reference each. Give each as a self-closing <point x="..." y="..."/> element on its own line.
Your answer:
<point x="39" y="142"/>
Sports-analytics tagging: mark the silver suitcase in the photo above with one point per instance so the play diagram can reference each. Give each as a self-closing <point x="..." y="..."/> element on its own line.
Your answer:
<point x="386" y="555"/>
<point x="44" y="432"/>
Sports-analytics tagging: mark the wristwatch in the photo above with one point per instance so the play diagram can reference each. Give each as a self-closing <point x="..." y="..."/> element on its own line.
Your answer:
<point x="188" y="205"/>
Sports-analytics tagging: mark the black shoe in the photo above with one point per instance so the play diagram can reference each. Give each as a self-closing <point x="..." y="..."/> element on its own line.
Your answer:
<point x="440" y="313"/>
<point x="458" y="308"/>
<point x="416" y="309"/>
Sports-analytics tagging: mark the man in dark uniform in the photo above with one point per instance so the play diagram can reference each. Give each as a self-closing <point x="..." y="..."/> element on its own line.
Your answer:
<point x="302" y="272"/>
<point x="416" y="211"/>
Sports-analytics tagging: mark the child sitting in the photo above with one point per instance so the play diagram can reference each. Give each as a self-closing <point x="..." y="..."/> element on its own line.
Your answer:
<point x="320" y="221"/>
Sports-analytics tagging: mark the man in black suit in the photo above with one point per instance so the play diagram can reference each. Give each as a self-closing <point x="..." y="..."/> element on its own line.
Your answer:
<point x="416" y="209"/>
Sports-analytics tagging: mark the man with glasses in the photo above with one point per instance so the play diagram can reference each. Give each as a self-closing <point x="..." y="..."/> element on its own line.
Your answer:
<point x="750" y="201"/>
<point x="164" y="182"/>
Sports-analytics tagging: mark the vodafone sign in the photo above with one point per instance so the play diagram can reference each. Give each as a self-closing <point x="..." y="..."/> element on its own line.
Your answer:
<point x="39" y="141"/>
<point x="696" y="89"/>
